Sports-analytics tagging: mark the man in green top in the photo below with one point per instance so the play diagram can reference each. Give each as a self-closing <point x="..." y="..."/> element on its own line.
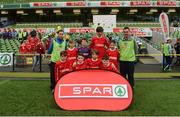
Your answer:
<point x="167" y="51"/>
<point x="58" y="44"/>
<point x="127" y="50"/>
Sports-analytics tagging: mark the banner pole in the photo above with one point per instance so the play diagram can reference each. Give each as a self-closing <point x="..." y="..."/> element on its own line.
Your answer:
<point x="13" y="62"/>
<point x="40" y="63"/>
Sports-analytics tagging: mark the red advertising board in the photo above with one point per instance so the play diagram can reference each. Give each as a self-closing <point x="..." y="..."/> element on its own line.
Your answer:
<point x="166" y="3"/>
<point x="140" y="3"/>
<point x="79" y="3"/>
<point x="42" y="4"/>
<point x="93" y="90"/>
<point x="110" y="3"/>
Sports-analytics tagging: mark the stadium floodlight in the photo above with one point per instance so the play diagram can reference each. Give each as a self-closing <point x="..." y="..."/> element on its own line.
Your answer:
<point x="133" y="10"/>
<point x="153" y="10"/>
<point x="4" y="12"/>
<point x="171" y="10"/>
<point x="114" y="11"/>
<point x="57" y="11"/>
<point x="25" y="14"/>
<point x="94" y="11"/>
<point x="76" y="11"/>
<point x="20" y="12"/>
<point x="149" y="13"/>
<point x="131" y="13"/>
<point x="39" y="11"/>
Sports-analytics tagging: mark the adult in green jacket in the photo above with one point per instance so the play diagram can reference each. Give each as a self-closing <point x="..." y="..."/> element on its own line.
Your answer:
<point x="127" y="50"/>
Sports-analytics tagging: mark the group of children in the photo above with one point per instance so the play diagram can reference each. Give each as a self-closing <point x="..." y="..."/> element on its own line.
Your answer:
<point x="86" y="57"/>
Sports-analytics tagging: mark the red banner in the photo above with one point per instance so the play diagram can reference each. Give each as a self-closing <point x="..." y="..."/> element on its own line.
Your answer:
<point x="81" y="30"/>
<point x="42" y="4"/>
<point x="114" y="3"/>
<point x="75" y="3"/>
<point x="166" y="3"/>
<point x="140" y="3"/>
<point x="93" y="90"/>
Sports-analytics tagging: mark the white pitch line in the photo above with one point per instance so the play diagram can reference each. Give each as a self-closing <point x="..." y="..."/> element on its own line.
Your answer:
<point x="3" y="82"/>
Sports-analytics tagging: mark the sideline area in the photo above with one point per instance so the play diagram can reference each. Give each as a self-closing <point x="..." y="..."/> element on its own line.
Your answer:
<point x="46" y="75"/>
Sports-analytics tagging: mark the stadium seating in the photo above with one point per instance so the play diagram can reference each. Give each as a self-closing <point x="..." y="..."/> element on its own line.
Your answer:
<point x="9" y="45"/>
<point x="47" y="25"/>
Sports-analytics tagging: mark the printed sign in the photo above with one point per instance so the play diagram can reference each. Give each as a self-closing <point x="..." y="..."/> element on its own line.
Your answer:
<point x="93" y="90"/>
<point x="164" y="21"/>
<point x="110" y="3"/>
<point x="6" y="59"/>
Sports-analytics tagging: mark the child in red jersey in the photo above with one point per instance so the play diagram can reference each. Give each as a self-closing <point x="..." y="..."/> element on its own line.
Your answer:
<point x="99" y="42"/>
<point x="63" y="66"/>
<point x="93" y="62"/>
<point x="80" y="62"/>
<point x="23" y="49"/>
<point x="72" y="52"/>
<point x="113" y="53"/>
<point x="107" y="65"/>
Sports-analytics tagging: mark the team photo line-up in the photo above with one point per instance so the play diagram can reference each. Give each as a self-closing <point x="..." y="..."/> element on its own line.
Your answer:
<point x="101" y="53"/>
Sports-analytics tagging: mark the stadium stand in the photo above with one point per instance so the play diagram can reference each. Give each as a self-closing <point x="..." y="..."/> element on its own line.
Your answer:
<point x="9" y="45"/>
<point x="46" y="25"/>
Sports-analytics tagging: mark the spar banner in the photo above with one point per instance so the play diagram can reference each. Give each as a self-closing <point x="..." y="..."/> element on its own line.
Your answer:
<point x="6" y="59"/>
<point x="164" y="21"/>
<point x="93" y="90"/>
<point x="140" y="32"/>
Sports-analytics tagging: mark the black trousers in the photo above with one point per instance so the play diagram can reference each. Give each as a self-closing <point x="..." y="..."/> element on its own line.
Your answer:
<point x="127" y="69"/>
<point x="52" y="67"/>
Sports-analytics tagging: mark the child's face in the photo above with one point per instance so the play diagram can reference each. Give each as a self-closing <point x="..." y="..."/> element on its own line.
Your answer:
<point x="105" y="62"/>
<point x="99" y="34"/>
<point x="71" y="45"/>
<point x="94" y="56"/>
<point x="112" y="45"/>
<point x="80" y="58"/>
<point x="63" y="58"/>
<point x="83" y="42"/>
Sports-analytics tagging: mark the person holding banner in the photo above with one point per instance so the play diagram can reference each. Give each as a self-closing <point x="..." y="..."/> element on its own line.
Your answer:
<point x="58" y="44"/>
<point x="127" y="48"/>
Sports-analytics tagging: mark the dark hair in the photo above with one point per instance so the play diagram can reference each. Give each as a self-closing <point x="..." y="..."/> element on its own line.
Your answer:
<point x="126" y="28"/>
<point x="80" y="54"/>
<point x="71" y="41"/>
<point x="113" y="41"/>
<point x="99" y="29"/>
<point x="95" y="51"/>
<point x="33" y="33"/>
<point x="105" y="57"/>
<point x="63" y="53"/>
<point x="83" y="39"/>
<point x="59" y="31"/>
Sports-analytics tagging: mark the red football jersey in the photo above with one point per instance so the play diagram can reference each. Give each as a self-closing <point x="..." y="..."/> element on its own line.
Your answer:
<point x="110" y="67"/>
<point x="113" y="56"/>
<point x="48" y="43"/>
<point x="61" y="68"/>
<point x="23" y="48"/>
<point x="99" y="44"/>
<point x="29" y="47"/>
<point x="72" y="54"/>
<point x="40" y="48"/>
<point x="79" y="66"/>
<point x="93" y="63"/>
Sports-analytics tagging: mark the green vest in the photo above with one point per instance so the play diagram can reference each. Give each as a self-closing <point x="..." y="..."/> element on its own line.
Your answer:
<point x="20" y="35"/>
<point x="126" y="50"/>
<point x="166" y="49"/>
<point x="57" y="48"/>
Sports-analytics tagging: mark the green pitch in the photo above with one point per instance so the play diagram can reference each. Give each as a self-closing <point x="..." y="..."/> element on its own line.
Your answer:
<point x="159" y="97"/>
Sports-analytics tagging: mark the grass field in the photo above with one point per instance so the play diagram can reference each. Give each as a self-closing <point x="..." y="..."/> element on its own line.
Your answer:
<point x="152" y="97"/>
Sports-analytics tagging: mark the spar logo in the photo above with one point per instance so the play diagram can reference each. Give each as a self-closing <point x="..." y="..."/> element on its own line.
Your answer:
<point x="93" y="91"/>
<point x="5" y="59"/>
